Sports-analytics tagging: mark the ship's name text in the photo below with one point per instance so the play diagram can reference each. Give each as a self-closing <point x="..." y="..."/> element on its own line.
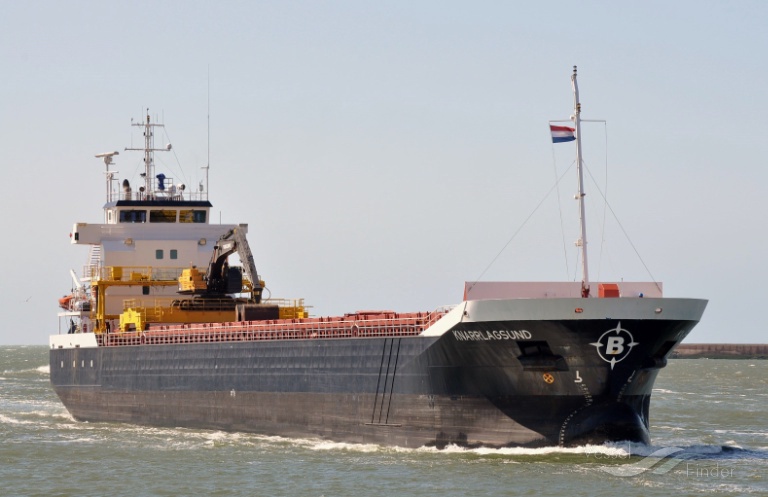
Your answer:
<point x="472" y="335"/>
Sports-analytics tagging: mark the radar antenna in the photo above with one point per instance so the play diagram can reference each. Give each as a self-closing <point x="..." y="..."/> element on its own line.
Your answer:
<point x="110" y="175"/>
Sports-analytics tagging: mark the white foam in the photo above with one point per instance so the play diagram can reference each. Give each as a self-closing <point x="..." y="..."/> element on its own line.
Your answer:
<point x="608" y="449"/>
<point x="46" y="369"/>
<point x="211" y="439"/>
<point x="326" y="445"/>
<point x="64" y="415"/>
<point x="11" y="421"/>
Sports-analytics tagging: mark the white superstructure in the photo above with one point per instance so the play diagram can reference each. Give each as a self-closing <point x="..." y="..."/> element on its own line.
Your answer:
<point x="149" y="234"/>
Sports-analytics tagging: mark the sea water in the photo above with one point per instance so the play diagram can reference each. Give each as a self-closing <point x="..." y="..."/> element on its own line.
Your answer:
<point x="709" y="428"/>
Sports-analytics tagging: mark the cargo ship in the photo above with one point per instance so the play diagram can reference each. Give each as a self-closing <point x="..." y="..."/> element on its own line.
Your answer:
<point x="161" y="330"/>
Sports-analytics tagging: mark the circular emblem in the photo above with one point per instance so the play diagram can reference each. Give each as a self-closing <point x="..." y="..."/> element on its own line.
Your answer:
<point x="548" y="378"/>
<point x="615" y="345"/>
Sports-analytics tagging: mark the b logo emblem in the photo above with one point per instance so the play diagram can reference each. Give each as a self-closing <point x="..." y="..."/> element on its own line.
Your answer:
<point x="615" y="345"/>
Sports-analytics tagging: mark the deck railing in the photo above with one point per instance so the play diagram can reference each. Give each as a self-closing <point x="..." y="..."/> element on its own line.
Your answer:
<point x="137" y="274"/>
<point x="350" y="326"/>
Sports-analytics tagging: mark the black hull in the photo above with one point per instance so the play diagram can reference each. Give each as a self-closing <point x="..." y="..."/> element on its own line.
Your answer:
<point x="473" y="385"/>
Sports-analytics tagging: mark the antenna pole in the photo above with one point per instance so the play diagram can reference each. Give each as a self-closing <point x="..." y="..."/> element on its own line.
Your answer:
<point x="149" y="158"/>
<point x="208" y="164"/>
<point x="580" y="196"/>
<point x="149" y="150"/>
<point x="109" y="182"/>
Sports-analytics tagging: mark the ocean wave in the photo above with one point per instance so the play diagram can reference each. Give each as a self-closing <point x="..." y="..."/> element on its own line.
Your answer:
<point x="317" y="444"/>
<point x="45" y="369"/>
<point x="13" y="421"/>
<point x="185" y="438"/>
<point x="732" y="489"/>
<point x="60" y="414"/>
<point x="730" y="450"/>
<point x="175" y="439"/>
<point x="332" y="446"/>
<point x="159" y="438"/>
<point x="662" y="390"/>
<point x="23" y="404"/>
<point x="744" y="433"/>
<point x="164" y="438"/>
<point x="615" y="449"/>
<point x="668" y="427"/>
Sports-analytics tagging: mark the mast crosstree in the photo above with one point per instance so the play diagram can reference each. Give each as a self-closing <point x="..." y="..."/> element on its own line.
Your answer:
<point x="149" y="152"/>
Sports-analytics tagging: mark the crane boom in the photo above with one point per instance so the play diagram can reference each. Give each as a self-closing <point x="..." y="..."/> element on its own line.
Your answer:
<point x="220" y="279"/>
<point x="246" y="259"/>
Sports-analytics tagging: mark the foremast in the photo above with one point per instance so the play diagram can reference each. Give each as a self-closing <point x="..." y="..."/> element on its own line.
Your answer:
<point x="582" y="242"/>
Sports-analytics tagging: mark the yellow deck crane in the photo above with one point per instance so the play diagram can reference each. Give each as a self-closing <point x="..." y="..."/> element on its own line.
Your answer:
<point x="212" y="292"/>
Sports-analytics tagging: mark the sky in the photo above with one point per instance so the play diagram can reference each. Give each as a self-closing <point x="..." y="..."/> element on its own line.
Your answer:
<point x="383" y="153"/>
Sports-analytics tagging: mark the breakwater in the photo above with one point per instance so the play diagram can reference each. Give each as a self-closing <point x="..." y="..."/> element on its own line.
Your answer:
<point x="721" y="351"/>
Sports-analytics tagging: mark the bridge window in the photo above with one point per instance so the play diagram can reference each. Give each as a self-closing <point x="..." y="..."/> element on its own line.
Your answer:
<point x="159" y="254"/>
<point x="185" y="216"/>
<point x="174" y="254"/>
<point x="133" y="216"/>
<point x="162" y="216"/>
<point x="190" y="216"/>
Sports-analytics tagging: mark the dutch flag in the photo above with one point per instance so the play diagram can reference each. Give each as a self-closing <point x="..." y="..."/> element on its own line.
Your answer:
<point x="561" y="134"/>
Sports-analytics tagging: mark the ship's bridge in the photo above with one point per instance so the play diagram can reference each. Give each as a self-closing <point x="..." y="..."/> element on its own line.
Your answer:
<point x="157" y="211"/>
